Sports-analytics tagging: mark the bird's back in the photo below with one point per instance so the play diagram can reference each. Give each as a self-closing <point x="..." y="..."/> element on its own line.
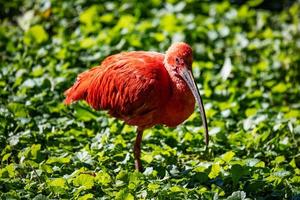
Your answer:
<point x="131" y="86"/>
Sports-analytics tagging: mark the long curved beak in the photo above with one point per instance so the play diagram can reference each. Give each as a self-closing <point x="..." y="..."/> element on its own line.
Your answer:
<point x="189" y="79"/>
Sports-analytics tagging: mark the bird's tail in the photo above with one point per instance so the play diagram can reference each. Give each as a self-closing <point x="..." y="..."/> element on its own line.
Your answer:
<point x="79" y="90"/>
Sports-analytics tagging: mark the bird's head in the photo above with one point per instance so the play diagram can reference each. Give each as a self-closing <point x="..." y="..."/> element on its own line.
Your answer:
<point x="179" y="58"/>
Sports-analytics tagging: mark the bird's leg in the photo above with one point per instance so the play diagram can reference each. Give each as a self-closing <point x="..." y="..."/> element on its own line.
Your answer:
<point x="137" y="150"/>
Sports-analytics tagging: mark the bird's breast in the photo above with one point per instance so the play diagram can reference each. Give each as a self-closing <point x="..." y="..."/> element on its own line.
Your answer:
<point x="179" y="107"/>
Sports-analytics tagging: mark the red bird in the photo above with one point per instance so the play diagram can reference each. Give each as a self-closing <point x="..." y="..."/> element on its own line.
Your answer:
<point x="143" y="89"/>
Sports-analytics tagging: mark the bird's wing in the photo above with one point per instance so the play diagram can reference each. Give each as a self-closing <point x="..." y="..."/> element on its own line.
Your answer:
<point x="126" y="84"/>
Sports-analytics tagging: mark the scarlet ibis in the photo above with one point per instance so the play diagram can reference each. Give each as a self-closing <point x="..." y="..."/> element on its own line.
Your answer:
<point x="143" y="89"/>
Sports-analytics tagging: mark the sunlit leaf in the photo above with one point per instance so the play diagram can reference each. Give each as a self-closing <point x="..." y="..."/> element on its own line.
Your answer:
<point x="279" y="88"/>
<point x="124" y="195"/>
<point x="89" y="15"/>
<point x="85" y="180"/>
<point x="215" y="171"/>
<point x="228" y="156"/>
<point x="58" y="185"/>
<point x="86" y="197"/>
<point x="103" y="178"/>
<point x="36" y="34"/>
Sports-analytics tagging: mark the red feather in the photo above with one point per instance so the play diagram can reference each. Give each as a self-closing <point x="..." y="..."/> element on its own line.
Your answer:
<point x="143" y="89"/>
<point x="123" y="85"/>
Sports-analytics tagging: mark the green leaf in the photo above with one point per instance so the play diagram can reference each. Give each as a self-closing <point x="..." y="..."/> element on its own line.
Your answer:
<point x="292" y="114"/>
<point x="159" y="37"/>
<point x="89" y="15"/>
<point x="86" y="197"/>
<point x="34" y="150"/>
<point x="103" y="178"/>
<point x="279" y="159"/>
<point x="260" y="164"/>
<point x="58" y="185"/>
<point x="153" y="187"/>
<point x="293" y="163"/>
<point x="36" y="34"/>
<point x="295" y="179"/>
<point x="254" y="3"/>
<point x="279" y="88"/>
<point x="252" y="162"/>
<point x="57" y="182"/>
<point x="17" y="109"/>
<point x="37" y="71"/>
<point x="135" y="180"/>
<point x="40" y="197"/>
<point x="11" y="169"/>
<point x="124" y="195"/>
<point x="238" y="195"/>
<point x="6" y="157"/>
<point x="177" y="189"/>
<point x="52" y="160"/>
<point x="85" y="180"/>
<point x="147" y="157"/>
<point x="108" y="17"/>
<point x="227" y="157"/>
<point x="282" y="173"/>
<point x="215" y="171"/>
<point x="84" y="114"/>
<point x="87" y="43"/>
<point x="237" y="172"/>
<point x="251" y="112"/>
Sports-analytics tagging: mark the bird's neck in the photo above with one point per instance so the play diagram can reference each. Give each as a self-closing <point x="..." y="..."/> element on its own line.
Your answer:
<point x="181" y="102"/>
<point x="178" y="84"/>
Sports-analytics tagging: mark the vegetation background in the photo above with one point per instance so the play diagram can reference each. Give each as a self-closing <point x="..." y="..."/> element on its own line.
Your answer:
<point x="247" y="60"/>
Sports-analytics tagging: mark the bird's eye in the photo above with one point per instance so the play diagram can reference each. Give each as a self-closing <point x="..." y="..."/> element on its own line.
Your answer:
<point x="177" y="60"/>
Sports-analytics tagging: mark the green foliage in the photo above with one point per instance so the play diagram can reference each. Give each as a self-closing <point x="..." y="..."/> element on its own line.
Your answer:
<point x="246" y="63"/>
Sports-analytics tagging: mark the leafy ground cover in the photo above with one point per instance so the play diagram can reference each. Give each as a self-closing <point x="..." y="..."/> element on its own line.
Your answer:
<point x="246" y="64"/>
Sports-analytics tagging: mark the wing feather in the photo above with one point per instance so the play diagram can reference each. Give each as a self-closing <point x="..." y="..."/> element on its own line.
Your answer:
<point x="129" y="85"/>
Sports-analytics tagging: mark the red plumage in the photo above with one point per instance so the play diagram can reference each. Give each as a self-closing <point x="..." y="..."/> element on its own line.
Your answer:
<point x="141" y="88"/>
<point x="132" y="86"/>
